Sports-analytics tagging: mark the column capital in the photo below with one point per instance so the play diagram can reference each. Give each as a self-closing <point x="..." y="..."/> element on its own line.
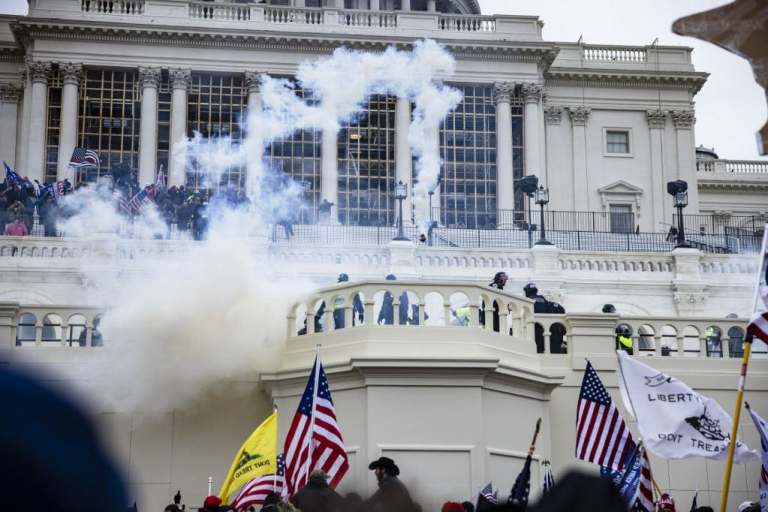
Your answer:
<point x="253" y="81"/>
<point x="579" y="115"/>
<point x="531" y="92"/>
<point x="10" y="93"/>
<point x="149" y="77"/>
<point x="39" y="71"/>
<point x="180" y="78"/>
<point x="503" y="91"/>
<point x="553" y="114"/>
<point x="683" y="119"/>
<point x="71" y="73"/>
<point x="656" y="118"/>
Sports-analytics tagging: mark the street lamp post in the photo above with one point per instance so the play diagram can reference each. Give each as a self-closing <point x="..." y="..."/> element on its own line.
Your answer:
<point x="542" y="198"/>
<point x="528" y="185"/>
<point x="401" y="193"/>
<point x="679" y="190"/>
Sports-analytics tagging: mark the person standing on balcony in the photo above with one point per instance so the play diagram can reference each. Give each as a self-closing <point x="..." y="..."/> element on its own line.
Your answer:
<point x="624" y="340"/>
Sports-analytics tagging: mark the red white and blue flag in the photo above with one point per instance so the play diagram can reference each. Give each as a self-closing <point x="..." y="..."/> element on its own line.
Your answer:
<point x="314" y="440"/>
<point x="644" y="499"/>
<point x="256" y="491"/>
<point x="602" y="437"/>
<point x="82" y="157"/>
<point x="762" y="429"/>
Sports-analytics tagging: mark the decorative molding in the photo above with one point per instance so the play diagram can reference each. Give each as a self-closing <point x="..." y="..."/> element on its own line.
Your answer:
<point x="71" y="73"/>
<point x="692" y="82"/>
<point x="683" y="119"/>
<point x="180" y="78"/>
<point x="149" y="77"/>
<point x="531" y="92"/>
<point x="40" y="71"/>
<point x="503" y="92"/>
<point x="579" y="115"/>
<point x="656" y="118"/>
<point x="553" y="114"/>
<point x="621" y="192"/>
<point x="253" y="81"/>
<point x="10" y="93"/>
<point x="729" y="185"/>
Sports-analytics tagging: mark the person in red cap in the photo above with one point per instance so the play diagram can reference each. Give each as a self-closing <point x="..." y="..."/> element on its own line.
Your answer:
<point x="452" y="506"/>
<point x="211" y="504"/>
<point x="666" y="503"/>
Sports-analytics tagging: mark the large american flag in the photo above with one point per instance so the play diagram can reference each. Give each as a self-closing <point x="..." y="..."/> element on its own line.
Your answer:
<point x="602" y="437"/>
<point x="256" y="491"/>
<point x="644" y="500"/>
<point x="82" y="157"/>
<point x="762" y="429"/>
<point x="314" y="439"/>
<point x="140" y="200"/>
<point x="758" y="327"/>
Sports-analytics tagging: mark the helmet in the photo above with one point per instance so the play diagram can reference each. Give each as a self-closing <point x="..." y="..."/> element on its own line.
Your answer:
<point x="343" y="278"/>
<point x="391" y="277"/>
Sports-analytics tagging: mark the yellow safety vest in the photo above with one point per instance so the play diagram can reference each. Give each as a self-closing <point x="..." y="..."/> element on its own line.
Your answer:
<point x="626" y="341"/>
<point x="463" y="314"/>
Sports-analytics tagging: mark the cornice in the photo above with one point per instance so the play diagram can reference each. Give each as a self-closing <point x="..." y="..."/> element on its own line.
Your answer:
<point x="692" y="81"/>
<point x="321" y="43"/>
<point x="730" y="185"/>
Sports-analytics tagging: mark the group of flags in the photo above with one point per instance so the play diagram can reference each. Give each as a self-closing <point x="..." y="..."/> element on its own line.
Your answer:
<point x="314" y="441"/>
<point x="687" y="425"/>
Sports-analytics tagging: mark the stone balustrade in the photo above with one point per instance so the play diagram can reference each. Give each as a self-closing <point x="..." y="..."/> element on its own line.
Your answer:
<point x="49" y="326"/>
<point x="215" y="11"/>
<point x="615" y="53"/>
<point x="370" y="19"/>
<point x="114" y="7"/>
<point x="748" y="168"/>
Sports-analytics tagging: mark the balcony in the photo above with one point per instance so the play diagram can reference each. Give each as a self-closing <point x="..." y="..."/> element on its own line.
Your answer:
<point x="747" y="169"/>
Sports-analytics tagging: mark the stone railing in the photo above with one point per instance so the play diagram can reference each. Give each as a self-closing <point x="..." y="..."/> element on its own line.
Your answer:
<point x="459" y="23"/>
<point x="371" y="19"/>
<point x="410" y="303"/>
<point x="52" y="326"/>
<point x="223" y="12"/>
<point x="293" y="15"/>
<point x="615" y="53"/>
<point x="119" y="7"/>
<point x="746" y="167"/>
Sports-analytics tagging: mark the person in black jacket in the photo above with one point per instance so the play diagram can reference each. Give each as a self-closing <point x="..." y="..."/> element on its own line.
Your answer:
<point x="317" y="495"/>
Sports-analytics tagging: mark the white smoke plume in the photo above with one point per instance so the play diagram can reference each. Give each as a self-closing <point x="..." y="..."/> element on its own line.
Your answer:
<point x="216" y="309"/>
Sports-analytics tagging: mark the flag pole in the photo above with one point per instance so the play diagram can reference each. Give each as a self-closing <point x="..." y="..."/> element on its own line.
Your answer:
<point x="742" y="380"/>
<point x="277" y="440"/>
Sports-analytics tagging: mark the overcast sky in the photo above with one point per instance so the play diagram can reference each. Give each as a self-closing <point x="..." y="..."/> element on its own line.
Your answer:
<point x="729" y="109"/>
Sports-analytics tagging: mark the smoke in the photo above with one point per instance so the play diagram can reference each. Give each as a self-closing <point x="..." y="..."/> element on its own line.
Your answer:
<point x="216" y="310"/>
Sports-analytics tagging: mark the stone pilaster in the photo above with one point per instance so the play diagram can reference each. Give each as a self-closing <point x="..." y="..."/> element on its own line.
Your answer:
<point x="657" y="120"/>
<point x="579" y="117"/>
<point x="505" y="187"/>
<point x="9" y="116"/>
<point x="71" y="74"/>
<point x="553" y="114"/>
<point x="684" y="121"/>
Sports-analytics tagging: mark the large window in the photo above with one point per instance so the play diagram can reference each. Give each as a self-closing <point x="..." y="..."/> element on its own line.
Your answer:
<point x="468" y="150"/>
<point x="108" y="119"/>
<point x="298" y="156"/>
<point x="53" y="123"/>
<point x="367" y="165"/>
<point x="163" y="122"/>
<point x="215" y="104"/>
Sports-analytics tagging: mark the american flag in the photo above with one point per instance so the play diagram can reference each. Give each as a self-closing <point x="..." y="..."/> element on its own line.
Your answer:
<point x="602" y="437"/>
<point x="160" y="181"/>
<point x="82" y="157"/>
<point x="644" y="500"/>
<point x="488" y="493"/>
<point x="256" y="491"/>
<point x="762" y="428"/>
<point x="758" y="327"/>
<point x="140" y="200"/>
<point x="314" y="439"/>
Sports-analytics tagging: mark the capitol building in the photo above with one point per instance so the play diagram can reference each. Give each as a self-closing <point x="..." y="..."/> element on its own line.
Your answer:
<point x="603" y="127"/>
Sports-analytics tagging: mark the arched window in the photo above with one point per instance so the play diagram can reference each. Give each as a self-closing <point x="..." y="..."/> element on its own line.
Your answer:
<point x="714" y="335"/>
<point x="668" y="341"/>
<point x="646" y="338"/>
<point x="691" y="341"/>
<point x="51" y="329"/>
<point x="736" y="341"/>
<point x="76" y="330"/>
<point x="25" y="329"/>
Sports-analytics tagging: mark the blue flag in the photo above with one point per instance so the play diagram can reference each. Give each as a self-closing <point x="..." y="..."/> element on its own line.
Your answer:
<point x="627" y="488"/>
<point x="12" y="176"/>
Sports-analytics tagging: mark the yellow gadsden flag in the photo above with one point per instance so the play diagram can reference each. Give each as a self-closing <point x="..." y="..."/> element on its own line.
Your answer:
<point x="257" y="457"/>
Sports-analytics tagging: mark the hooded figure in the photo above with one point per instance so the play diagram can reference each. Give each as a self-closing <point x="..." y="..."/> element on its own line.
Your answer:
<point x="392" y="495"/>
<point x="317" y="495"/>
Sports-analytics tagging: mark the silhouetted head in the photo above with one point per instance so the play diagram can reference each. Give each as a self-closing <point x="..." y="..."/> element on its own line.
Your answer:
<point x="391" y="277"/>
<point x="343" y="278"/>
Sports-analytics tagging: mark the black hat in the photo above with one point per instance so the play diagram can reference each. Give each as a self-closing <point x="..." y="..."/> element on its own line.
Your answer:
<point x="386" y="464"/>
<point x="343" y="278"/>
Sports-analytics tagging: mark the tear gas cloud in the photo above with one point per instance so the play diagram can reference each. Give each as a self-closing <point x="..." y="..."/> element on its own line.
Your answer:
<point x="177" y="324"/>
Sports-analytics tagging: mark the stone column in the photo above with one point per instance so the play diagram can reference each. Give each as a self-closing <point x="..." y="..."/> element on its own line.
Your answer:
<point x="661" y="209"/>
<point x="253" y="85"/>
<point x="532" y="96"/>
<point x="39" y="72"/>
<point x="329" y="182"/>
<point x="403" y="160"/>
<point x="686" y="155"/>
<point x="375" y="5"/>
<point x="9" y="114"/>
<point x="70" y="77"/>
<point x="579" y="117"/>
<point x="22" y="135"/>
<point x="405" y="5"/>
<point x="8" y="312"/>
<point x="180" y="80"/>
<point x="150" y="81"/>
<point x="431" y="5"/>
<point x="505" y="185"/>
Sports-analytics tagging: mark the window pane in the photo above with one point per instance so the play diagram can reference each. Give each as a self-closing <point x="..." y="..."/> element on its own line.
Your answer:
<point x="617" y="141"/>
